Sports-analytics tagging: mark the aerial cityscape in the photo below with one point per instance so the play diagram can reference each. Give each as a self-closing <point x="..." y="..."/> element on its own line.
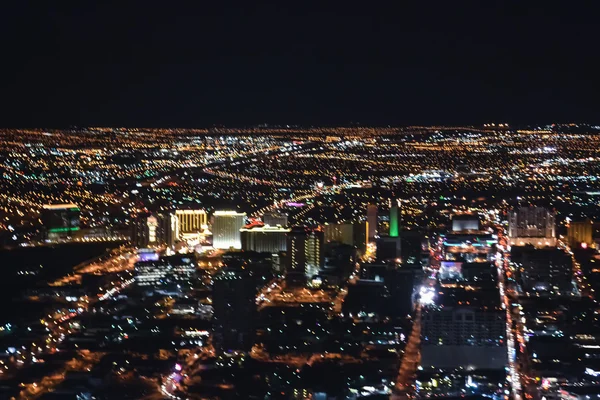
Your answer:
<point x="301" y="263"/>
<point x="299" y="200"/>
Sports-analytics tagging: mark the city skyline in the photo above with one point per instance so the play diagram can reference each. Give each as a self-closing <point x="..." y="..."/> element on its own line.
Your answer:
<point x="299" y="201"/>
<point x="387" y="259"/>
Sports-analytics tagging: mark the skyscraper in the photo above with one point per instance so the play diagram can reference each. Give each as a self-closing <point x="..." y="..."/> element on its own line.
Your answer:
<point x="167" y="228"/>
<point x="531" y="225"/>
<point x="347" y="233"/>
<point x="234" y="306"/>
<point x="154" y="229"/>
<point x="191" y="221"/>
<point x="141" y="227"/>
<point x="464" y="329"/>
<point x="388" y="248"/>
<point x="411" y="247"/>
<point x="296" y="242"/>
<point x="402" y="283"/>
<point x="60" y="221"/>
<point x="275" y="218"/>
<point x="226" y="229"/>
<point x="394" y="220"/>
<point x="579" y="233"/>
<point x="305" y="251"/>
<point x="360" y="236"/>
<point x="314" y="252"/>
<point x="270" y="239"/>
<point x="547" y="271"/>
<point x="372" y="221"/>
<point x="342" y="233"/>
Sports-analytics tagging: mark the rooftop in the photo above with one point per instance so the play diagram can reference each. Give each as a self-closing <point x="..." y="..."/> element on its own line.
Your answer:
<point x="59" y="206"/>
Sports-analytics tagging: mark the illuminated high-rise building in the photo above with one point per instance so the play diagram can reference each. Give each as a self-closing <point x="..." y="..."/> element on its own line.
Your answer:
<point x="226" y="229"/>
<point x="352" y="234"/>
<point x="191" y="221"/>
<point x="140" y="230"/>
<point x="314" y="252"/>
<point x="531" y="225"/>
<point x="580" y="233"/>
<point x="296" y="241"/>
<point x="360" y="236"/>
<point x="341" y="233"/>
<point x="60" y="221"/>
<point x="372" y="221"/>
<point x="154" y="229"/>
<point x="395" y="220"/>
<point x="305" y="251"/>
<point x="275" y="218"/>
<point x="264" y="239"/>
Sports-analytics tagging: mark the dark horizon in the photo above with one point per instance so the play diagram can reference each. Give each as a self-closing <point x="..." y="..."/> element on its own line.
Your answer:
<point x="197" y="65"/>
<point x="242" y="126"/>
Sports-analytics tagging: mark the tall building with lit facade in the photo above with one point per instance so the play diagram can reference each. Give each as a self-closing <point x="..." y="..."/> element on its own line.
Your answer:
<point x="360" y="236"/>
<point x="395" y="220"/>
<point x="341" y="233"/>
<point x="275" y="218"/>
<point x="467" y="242"/>
<point x="139" y="230"/>
<point x="154" y="229"/>
<point x="168" y="228"/>
<point x="226" y="229"/>
<point x="305" y="251"/>
<point x="234" y="304"/>
<point x="469" y="247"/>
<point x="314" y="252"/>
<point x="352" y="234"/>
<point x="264" y="238"/>
<point x="579" y="233"/>
<point x="191" y="221"/>
<point x="296" y="241"/>
<point x="372" y="221"/>
<point x="531" y="225"/>
<point x="60" y="221"/>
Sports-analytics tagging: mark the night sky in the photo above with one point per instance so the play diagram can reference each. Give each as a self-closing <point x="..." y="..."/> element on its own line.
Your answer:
<point x="156" y="64"/>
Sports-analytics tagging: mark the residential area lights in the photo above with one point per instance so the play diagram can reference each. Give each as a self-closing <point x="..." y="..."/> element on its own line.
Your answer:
<point x="410" y="262"/>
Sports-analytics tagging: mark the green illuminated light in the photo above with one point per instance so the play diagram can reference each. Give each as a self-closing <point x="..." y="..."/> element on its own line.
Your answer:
<point x="394" y="221"/>
<point x="56" y="230"/>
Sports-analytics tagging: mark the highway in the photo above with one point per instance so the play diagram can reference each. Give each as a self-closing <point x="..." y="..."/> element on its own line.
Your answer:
<point x="502" y="260"/>
<point x="411" y="359"/>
